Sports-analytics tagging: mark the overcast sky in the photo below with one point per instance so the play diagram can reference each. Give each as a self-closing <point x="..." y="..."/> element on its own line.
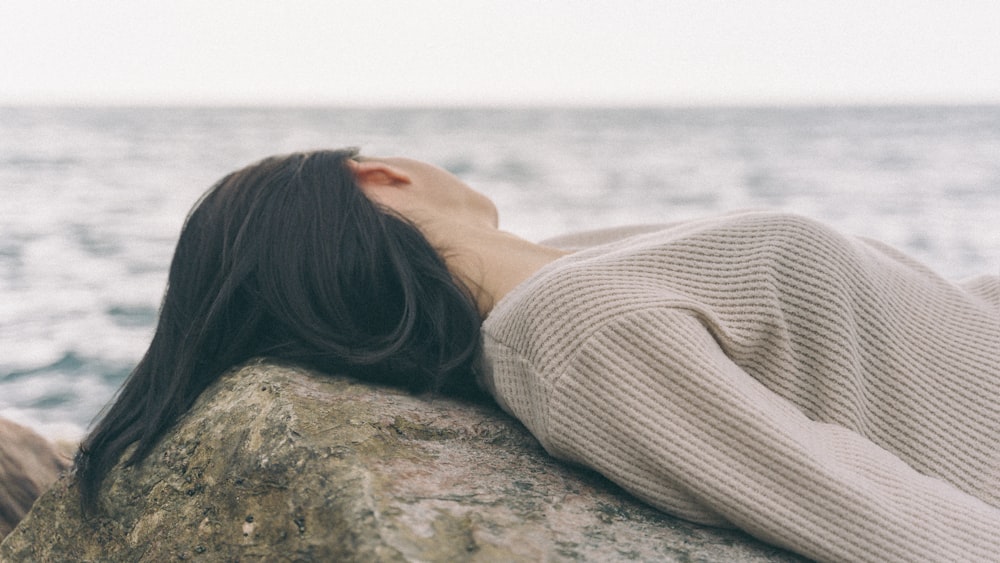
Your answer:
<point x="474" y="52"/>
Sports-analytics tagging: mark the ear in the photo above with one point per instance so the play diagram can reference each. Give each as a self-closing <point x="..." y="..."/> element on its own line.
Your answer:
<point x="374" y="173"/>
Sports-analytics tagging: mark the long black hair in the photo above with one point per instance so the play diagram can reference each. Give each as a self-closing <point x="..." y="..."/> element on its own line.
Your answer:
<point x="288" y="258"/>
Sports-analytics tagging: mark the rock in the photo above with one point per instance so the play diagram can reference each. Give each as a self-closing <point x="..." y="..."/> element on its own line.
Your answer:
<point x="279" y="463"/>
<point x="29" y="464"/>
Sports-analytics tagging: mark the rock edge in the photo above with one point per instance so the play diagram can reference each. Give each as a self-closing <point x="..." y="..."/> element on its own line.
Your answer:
<point x="276" y="462"/>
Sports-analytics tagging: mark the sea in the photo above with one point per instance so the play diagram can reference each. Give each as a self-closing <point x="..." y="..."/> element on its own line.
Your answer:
<point x="92" y="199"/>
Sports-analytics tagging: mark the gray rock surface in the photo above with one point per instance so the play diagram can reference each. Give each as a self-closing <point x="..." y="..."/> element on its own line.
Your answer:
<point x="29" y="464"/>
<point x="278" y="463"/>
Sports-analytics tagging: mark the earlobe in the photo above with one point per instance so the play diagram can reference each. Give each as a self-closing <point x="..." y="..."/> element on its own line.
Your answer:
<point x="370" y="173"/>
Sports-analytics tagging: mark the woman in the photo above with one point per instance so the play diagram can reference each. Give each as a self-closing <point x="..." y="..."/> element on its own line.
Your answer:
<point x="759" y="370"/>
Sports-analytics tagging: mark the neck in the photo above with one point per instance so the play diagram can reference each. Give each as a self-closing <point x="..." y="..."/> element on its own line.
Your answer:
<point x="490" y="262"/>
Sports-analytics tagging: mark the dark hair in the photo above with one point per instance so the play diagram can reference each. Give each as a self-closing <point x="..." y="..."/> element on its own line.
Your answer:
<point x="288" y="258"/>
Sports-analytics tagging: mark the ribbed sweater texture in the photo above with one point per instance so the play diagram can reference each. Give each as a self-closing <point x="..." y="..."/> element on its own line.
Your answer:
<point x="825" y="393"/>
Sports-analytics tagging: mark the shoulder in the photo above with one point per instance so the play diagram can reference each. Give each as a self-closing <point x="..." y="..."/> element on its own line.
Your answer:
<point x="561" y="305"/>
<point x="527" y="374"/>
<point x="683" y="266"/>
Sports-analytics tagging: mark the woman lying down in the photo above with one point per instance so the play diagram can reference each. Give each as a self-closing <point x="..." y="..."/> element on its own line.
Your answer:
<point x="762" y="371"/>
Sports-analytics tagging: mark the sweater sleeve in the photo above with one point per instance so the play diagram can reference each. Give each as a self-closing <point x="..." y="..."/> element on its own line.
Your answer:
<point x="653" y="403"/>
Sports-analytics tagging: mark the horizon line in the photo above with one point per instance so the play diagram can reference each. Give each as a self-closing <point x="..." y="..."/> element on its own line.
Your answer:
<point x="817" y="104"/>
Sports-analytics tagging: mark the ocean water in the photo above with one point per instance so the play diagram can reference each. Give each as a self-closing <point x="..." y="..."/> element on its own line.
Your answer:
<point x="92" y="200"/>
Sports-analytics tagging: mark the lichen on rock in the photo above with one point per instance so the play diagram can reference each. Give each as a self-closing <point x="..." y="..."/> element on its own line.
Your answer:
<point x="275" y="462"/>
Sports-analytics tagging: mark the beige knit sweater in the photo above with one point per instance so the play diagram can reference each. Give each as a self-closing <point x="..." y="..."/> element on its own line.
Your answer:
<point x="760" y="370"/>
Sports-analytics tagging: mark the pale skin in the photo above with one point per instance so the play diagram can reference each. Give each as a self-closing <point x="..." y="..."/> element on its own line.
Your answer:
<point x="457" y="220"/>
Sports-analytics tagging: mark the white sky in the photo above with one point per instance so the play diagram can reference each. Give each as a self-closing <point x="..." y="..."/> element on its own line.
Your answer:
<point x="473" y="52"/>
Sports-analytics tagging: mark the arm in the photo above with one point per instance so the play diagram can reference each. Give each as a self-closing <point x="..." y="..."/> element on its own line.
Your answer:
<point x="654" y="404"/>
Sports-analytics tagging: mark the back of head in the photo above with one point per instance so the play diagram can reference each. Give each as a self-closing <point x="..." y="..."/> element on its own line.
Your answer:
<point x="288" y="258"/>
